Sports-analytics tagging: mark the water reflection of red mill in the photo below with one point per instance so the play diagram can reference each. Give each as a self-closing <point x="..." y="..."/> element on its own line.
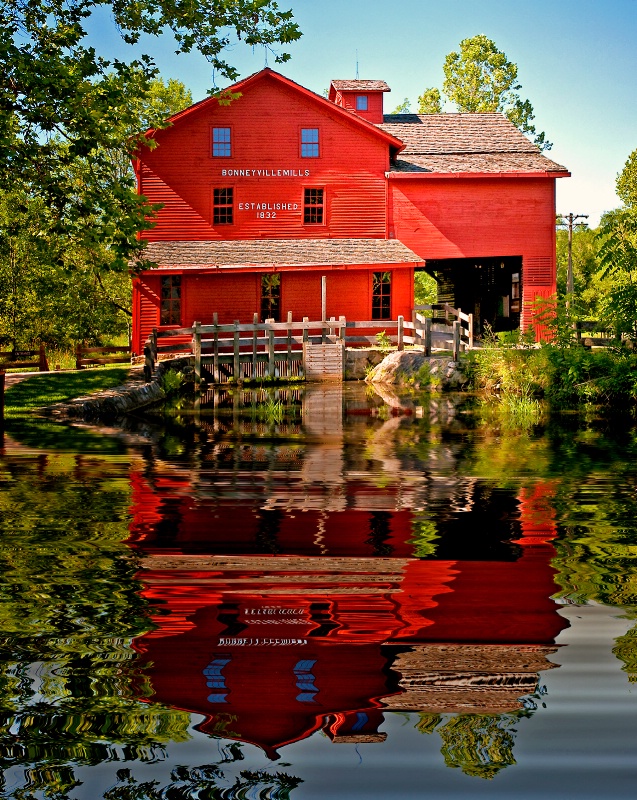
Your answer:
<point x="284" y="619"/>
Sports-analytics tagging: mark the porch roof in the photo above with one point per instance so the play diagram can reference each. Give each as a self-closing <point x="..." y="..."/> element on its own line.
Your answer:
<point x="270" y="253"/>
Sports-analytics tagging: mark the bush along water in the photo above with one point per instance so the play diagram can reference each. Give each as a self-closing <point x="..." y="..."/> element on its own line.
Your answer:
<point x="562" y="372"/>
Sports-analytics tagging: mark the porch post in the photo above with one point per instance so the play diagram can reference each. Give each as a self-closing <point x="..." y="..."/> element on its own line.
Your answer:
<point x="323" y="297"/>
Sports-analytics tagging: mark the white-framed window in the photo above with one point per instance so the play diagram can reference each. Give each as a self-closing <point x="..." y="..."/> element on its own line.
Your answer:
<point x="310" y="143"/>
<point x="221" y="142"/>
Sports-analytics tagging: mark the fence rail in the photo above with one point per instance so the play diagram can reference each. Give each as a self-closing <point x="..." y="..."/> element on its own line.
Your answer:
<point x="592" y="333"/>
<point x="24" y="359"/>
<point x="255" y="350"/>
<point x="94" y="356"/>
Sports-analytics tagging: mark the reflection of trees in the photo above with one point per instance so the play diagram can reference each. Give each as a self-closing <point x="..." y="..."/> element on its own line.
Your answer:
<point x="69" y="610"/>
<point x="204" y="782"/>
<point x="626" y="651"/>
<point x="479" y="744"/>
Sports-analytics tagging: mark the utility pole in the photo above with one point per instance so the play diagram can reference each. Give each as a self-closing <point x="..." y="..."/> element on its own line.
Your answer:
<point x="570" y="220"/>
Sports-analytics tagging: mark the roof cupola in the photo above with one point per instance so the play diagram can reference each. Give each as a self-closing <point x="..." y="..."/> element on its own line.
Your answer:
<point x="362" y="97"/>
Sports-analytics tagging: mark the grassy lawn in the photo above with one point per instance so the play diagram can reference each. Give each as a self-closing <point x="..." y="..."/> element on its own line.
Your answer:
<point x="57" y="387"/>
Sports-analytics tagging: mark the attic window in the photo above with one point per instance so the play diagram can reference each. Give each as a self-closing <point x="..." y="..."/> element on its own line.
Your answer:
<point x="309" y="143"/>
<point x="361" y="102"/>
<point x="221" y="142"/>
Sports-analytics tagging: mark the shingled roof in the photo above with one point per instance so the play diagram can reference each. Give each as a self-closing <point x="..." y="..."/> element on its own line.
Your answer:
<point x="279" y="252"/>
<point x="360" y="86"/>
<point x="464" y="143"/>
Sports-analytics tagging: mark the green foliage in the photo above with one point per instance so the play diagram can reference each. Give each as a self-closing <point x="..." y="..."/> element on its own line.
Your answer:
<point x="627" y="181"/>
<point x="425" y="289"/>
<point x="65" y="110"/>
<point x="424" y="535"/>
<point x="206" y="781"/>
<point x="273" y="410"/>
<point x="587" y="287"/>
<point x="563" y="375"/>
<point x="69" y="609"/>
<point x="383" y="342"/>
<point x="479" y="744"/>
<point x="480" y="78"/>
<point x="171" y="381"/>
<point x="430" y="102"/>
<point x="617" y="240"/>
<point x="403" y="108"/>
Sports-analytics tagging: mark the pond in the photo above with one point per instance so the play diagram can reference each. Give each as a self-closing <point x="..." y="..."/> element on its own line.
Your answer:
<point x="321" y="592"/>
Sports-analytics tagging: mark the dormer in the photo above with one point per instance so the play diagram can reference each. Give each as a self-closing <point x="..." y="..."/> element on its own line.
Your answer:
<point x="364" y="98"/>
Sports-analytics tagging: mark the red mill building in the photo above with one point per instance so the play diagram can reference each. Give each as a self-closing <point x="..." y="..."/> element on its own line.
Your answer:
<point x="265" y="195"/>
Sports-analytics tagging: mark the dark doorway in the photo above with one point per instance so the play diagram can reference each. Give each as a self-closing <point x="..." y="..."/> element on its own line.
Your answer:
<point x="488" y="288"/>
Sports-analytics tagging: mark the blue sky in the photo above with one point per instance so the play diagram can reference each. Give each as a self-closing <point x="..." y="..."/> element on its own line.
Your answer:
<point x="577" y="63"/>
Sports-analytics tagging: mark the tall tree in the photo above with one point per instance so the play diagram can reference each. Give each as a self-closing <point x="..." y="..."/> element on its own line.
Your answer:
<point x="57" y="287"/>
<point x="63" y="106"/>
<point x="480" y="78"/>
<point x="627" y="182"/>
<point x="617" y="237"/>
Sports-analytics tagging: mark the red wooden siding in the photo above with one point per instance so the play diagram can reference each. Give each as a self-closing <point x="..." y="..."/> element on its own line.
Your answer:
<point x="266" y="123"/>
<point x="146" y="309"/>
<point x="231" y="296"/>
<point x="374" y="111"/>
<point x="476" y="218"/>
<point x="466" y="218"/>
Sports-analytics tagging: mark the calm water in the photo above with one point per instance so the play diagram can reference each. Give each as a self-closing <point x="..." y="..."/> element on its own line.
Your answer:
<point x="329" y="594"/>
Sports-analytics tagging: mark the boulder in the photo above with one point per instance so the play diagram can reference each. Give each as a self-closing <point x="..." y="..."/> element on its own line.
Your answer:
<point x="412" y="368"/>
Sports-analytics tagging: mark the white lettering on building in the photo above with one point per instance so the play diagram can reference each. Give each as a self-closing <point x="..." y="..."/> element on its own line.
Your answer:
<point x="265" y="173"/>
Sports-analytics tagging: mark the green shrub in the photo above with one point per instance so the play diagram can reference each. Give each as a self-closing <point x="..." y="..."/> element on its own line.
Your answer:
<point x="171" y="381"/>
<point x="383" y="341"/>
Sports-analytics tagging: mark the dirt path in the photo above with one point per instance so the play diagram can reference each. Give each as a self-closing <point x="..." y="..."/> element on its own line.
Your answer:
<point x="11" y="378"/>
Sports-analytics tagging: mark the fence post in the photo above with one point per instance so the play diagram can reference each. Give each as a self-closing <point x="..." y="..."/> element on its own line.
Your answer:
<point x="470" y="324"/>
<point x="271" y="364"/>
<point x="149" y="364"/>
<point x="306" y="332"/>
<point x="414" y="322"/>
<point x="255" y="323"/>
<point x="456" y="339"/>
<point x="427" y="338"/>
<point x="153" y="340"/>
<point x="342" y="331"/>
<point x="401" y="332"/>
<point x="196" y="349"/>
<point x="236" y="365"/>
<point x="78" y="356"/>
<point x="44" y="366"/>
<point x="215" y="348"/>
<point x="332" y="330"/>
<point x="289" y="348"/>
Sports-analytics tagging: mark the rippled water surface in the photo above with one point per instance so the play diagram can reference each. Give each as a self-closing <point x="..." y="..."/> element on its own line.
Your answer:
<point x="319" y="593"/>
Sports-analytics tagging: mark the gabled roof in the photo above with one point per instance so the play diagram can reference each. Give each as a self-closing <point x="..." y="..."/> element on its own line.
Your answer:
<point x="322" y="102"/>
<point x="465" y="143"/>
<point x="248" y="254"/>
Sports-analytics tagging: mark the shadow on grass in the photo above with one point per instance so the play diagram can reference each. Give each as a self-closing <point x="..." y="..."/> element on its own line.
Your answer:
<point x="44" y="390"/>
